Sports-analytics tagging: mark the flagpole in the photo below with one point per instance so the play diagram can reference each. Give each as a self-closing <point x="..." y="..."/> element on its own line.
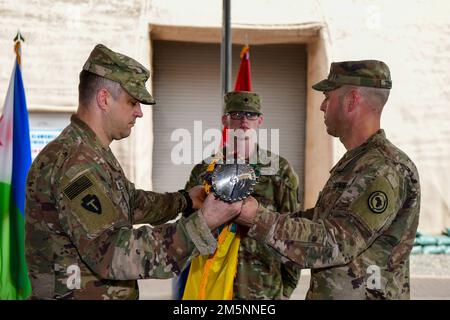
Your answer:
<point x="18" y="39"/>
<point x="15" y="161"/>
<point x="225" y="56"/>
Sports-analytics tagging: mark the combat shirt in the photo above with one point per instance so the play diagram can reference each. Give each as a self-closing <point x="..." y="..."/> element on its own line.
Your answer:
<point x="80" y="209"/>
<point x="364" y="224"/>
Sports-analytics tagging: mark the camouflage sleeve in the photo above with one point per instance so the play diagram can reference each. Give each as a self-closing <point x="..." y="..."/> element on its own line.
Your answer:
<point x="155" y="208"/>
<point x="288" y="190"/>
<point x="105" y="239"/>
<point x="289" y="203"/>
<point x="364" y="210"/>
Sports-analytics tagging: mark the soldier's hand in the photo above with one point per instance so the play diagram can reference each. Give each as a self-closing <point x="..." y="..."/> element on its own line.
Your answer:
<point x="197" y="195"/>
<point x="217" y="212"/>
<point x="248" y="212"/>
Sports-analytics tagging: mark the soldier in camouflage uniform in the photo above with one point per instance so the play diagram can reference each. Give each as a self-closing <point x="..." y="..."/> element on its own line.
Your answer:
<point x="365" y="219"/>
<point x="259" y="274"/>
<point x="80" y="207"/>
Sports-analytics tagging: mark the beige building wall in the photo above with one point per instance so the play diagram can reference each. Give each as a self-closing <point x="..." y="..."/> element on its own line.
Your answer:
<point x="59" y="36"/>
<point x="412" y="36"/>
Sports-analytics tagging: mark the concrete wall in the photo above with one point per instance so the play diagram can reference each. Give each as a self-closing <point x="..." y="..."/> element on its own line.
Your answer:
<point x="59" y="36"/>
<point x="412" y="36"/>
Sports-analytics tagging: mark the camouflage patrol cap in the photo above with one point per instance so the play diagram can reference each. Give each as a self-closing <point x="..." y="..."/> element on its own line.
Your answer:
<point x="242" y="101"/>
<point x="365" y="73"/>
<point x="122" y="69"/>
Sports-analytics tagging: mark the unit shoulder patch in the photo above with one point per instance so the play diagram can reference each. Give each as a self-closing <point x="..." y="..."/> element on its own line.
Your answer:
<point x="87" y="201"/>
<point x="92" y="203"/>
<point x="378" y="201"/>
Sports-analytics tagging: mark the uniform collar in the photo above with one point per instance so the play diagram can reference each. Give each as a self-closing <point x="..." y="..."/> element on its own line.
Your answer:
<point x="222" y="155"/>
<point x="350" y="155"/>
<point x="262" y="167"/>
<point x="86" y="132"/>
<point x="90" y="138"/>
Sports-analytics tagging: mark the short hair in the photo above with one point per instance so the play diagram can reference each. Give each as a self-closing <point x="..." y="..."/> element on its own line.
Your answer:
<point x="89" y="85"/>
<point x="375" y="98"/>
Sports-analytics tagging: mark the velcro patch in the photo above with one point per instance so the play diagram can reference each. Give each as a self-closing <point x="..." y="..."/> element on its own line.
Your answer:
<point x="376" y="204"/>
<point x="339" y="185"/>
<point x="78" y="186"/>
<point x="89" y="204"/>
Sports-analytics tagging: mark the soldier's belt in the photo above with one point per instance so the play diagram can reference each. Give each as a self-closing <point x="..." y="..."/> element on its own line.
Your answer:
<point x="232" y="182"/>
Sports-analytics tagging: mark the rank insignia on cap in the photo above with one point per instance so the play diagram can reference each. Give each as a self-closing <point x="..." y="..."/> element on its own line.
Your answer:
<point x="92" y="203"/>
<point x="377" y="202"/>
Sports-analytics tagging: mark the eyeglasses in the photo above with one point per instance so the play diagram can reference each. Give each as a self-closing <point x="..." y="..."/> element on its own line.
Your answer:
<point x="239" y="115"/>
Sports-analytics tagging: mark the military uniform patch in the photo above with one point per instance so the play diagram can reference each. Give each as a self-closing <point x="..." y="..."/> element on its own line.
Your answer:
<point x="378" y="198"/>
<point x="378" y="202"/>
<point x="89" y="204"/>
<point x="79" y="185"/>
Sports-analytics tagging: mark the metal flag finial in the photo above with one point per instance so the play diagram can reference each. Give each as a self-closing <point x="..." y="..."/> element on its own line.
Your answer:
<point x="18" y="39"/>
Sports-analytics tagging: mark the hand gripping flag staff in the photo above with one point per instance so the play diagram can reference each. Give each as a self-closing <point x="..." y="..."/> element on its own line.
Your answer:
<point x="212" y="277"/>
<point x="15" y="161"/>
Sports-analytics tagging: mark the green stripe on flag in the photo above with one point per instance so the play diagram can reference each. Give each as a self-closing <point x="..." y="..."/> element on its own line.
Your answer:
<point x="14" y="281"/>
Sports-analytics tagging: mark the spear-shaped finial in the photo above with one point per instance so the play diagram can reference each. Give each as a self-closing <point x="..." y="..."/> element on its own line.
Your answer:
<point x="18" y="39"/>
